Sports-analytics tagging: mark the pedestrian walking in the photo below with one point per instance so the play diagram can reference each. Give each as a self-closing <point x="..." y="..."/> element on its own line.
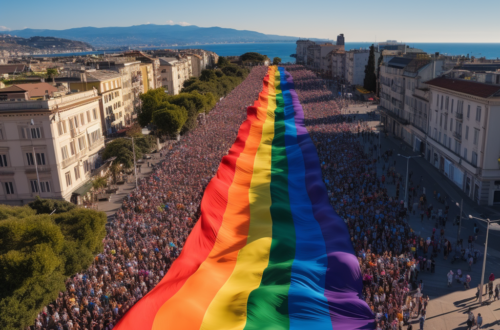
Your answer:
<point x="450" y="277"/>
<point x="479" y="321"/>
<point x="470" y="320"/>
<point x="422" y="320"/>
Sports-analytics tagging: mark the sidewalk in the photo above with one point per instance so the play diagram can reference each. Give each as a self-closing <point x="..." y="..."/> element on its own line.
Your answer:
<point x="446" y="308"/>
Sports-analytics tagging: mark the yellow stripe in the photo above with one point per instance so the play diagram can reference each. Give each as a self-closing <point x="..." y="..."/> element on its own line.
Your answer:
<point x="228" y="310"/>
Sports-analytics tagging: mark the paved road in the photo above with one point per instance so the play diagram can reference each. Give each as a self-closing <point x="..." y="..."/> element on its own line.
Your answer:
<point x="447" y="305"/>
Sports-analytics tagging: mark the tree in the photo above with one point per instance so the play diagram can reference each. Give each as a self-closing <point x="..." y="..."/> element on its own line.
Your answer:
<point x="207" y="75"/>
<point x="52" y="73"/>
<point x="135" y="131"/>
<point x="370" y="82"/>
<point x="252" y="57"/>
<point x="152" y="100"/>
<point x="276" y="61"/>
<point x="170" y="121"/>
<point x="37" y="253"/>
<point x="47" y="206"/>
<point x="97" y="183"/>
<point x="115" y="169"/>
<point x="380" y="60"/>
<point x="222" y="62"/>
<point x="122" y="149"/>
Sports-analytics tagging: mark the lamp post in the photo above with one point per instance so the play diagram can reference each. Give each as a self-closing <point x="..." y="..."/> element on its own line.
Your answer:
<point x="407" y="170"/>
<point x="460" y="219"/>
<point x="32" y="123"/>
<point x="488" y="222"/>
<point x="135" y="165"/>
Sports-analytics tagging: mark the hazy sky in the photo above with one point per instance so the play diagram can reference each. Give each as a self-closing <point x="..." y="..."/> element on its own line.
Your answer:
<point x="359" y="20"/>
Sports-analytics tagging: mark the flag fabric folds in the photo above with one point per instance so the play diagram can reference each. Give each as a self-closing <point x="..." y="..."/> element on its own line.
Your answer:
<point x="269" y="251"/>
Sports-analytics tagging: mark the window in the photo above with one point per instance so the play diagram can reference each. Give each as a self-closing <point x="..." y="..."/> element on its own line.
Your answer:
<point x="437" y="100"/>
<point x="452" y="101"/>
<point x="94" y="113"/>
<point x="445" y="121"/>
<point x="449" y="142"/>
<point x="59" y="128"/>
<point x="3" y="161"/>
<point x="72" y="148"/>
<point x="441" y="121"/>
<point x="474" y="159"/>
<point x="478" y="114"/>
<point x="34" y="186"/>
<point x="447" y="102"/>
<point x="445" y="139"/>
<point x="439" y="137"/>
<point x="9" y="188"/>
<point x="468" y="111"/>
<point x="64" y="126"/>
<point x="29" y="157"/>
<point x="82" y="119"/>
<point x="40" y="158"/>
<point x="451" y="124"/>
<point x="86" y="166"/>
<point x="81" y="143"/>
<point x="45" y="186"/>
<point x="75" y="120"/>
<point x="435" y="133"/>
<point x="64" y="152"/>
<point x="457" y="147"/>
<point x="476" y="136"/>
<point x="88" y="116"/>
<point x="1" y="134"/>
<point x="77" y="172"/>
<point x="465" y="153"/>
<point x="68" y="179"/>
<point x="36" y="133"/>
<point x="71" y="125"/>
<point x="117" y="94"/>
<point x="466" y="132"/>
<point x="105" y="98"/>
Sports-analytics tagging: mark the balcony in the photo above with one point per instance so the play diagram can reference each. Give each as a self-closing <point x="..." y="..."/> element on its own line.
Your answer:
<point x="41" y="169"/>
<point x="459" y="115"/>
<point x="97" y="143"/>
<point x="68" y="161"/>
<point x="457" y="135"/>
<point x="76" y="131"/>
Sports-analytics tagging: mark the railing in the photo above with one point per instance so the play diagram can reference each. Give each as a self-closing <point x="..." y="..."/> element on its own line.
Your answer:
<point x="76" y="131"/>
<point x="457" y="135"/>
<point x="459" y="115"/>
<point x="68" y="161"/>
<point x="41" y="169"/>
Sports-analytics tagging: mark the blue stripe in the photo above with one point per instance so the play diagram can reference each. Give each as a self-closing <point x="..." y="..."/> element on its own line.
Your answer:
<point x="308" y="307"/>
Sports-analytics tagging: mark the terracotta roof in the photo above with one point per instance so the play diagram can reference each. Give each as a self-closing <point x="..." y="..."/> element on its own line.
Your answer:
<point x="37" y="90"/>
<point x="11" y="68"/>
<point x="466" y="87"/>
<point x="12" y="89"/>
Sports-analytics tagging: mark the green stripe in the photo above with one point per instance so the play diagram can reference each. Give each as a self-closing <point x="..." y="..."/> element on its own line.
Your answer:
<point x="268" y="304"/>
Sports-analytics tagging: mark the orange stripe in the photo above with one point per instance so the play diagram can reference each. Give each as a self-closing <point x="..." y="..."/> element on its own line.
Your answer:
<point x="187" y="308"/>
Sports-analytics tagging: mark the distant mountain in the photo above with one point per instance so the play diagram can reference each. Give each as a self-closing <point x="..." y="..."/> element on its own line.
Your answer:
<point x="153" y="35"/>
<point x="33" y="44"/>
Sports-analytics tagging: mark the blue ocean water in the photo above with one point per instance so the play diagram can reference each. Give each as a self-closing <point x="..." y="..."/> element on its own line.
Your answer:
<point x="285" y="49"/>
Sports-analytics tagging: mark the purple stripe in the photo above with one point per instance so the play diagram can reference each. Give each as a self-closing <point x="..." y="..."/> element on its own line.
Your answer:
<point x="343" y="281"/>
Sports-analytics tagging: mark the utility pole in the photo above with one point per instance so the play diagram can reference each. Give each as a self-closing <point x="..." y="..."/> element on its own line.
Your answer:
<point x="407" y="172"/>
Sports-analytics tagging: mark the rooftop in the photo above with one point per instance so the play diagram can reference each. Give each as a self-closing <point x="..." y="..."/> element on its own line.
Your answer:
<point x="466" y="87"/>
<point x="102" y="75"/>
<point x="11" y="68"/>
<point x="399" y="62"/>
<point x="34" y="90"/>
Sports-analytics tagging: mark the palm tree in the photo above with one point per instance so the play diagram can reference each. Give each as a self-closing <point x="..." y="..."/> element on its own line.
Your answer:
<point x="98" y="183"/>
<point x="115" y="169"/>
<point x="52" y="73"/>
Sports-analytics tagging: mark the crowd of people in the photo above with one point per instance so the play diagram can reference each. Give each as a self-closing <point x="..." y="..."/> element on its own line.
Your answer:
<point x="390" y="254"/>
<point x="148" y="232"/>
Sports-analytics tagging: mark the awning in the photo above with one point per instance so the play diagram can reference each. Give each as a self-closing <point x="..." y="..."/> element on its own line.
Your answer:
<point x="116" y="122"/>
<point x="83" y="190"/>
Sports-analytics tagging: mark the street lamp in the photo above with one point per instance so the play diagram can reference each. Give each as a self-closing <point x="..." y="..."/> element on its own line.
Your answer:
<point x="488" y="221"/>
<point x="461" y="205"/>
<point x="135" y="165"/>
<point x="407" y="170"/>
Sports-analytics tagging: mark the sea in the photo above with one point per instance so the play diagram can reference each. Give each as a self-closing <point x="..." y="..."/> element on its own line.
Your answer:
<point x="284" y="50"/>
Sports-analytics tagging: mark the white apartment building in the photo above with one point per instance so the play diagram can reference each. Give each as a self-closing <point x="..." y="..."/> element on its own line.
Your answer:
<point x="48" y="147"/>
<point x="109" y="86"/>
<point x="197" y="64"/>
<point x="355" y="64"/>
<point x="174" y="72"/>
<point x="464" y="138"/>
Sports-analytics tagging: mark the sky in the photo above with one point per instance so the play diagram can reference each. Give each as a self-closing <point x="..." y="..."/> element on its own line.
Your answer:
<point x="359" y="20"/>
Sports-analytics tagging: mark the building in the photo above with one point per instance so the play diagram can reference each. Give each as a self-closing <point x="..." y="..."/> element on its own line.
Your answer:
<point x="301" y="50"/>
<point x="197" y="64"/>
<point x="109" y="86"/>
<point x="144" y="58"/>
<point x="148" y="78"/>
<point x="22" y="92"/>
<point x="48" y="147"/>
<point x="355" y="64"/>
<point x="174" y="71"/>
<point x="404" y="97"/>
<point x="464" y="139"/>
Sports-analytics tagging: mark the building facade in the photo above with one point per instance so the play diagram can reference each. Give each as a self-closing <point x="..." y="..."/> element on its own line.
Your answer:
<point x="355" y="64"/>
<point x="48" y="147"/>
<point x="464" y="139"/>
<point x="174" y="71"/>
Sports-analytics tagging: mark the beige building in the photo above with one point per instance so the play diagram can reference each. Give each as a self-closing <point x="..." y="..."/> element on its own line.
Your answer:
<point x="148" y="78"/>
<point x="174" y="71"/>
<point x="48" y="147"/>
<point x="197" y="64"/>
<point x="464" y="139"/>
<point x="109" y="86"/>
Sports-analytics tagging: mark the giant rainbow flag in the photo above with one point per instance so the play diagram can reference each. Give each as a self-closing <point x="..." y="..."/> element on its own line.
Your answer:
<point x="269" y="251"/>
